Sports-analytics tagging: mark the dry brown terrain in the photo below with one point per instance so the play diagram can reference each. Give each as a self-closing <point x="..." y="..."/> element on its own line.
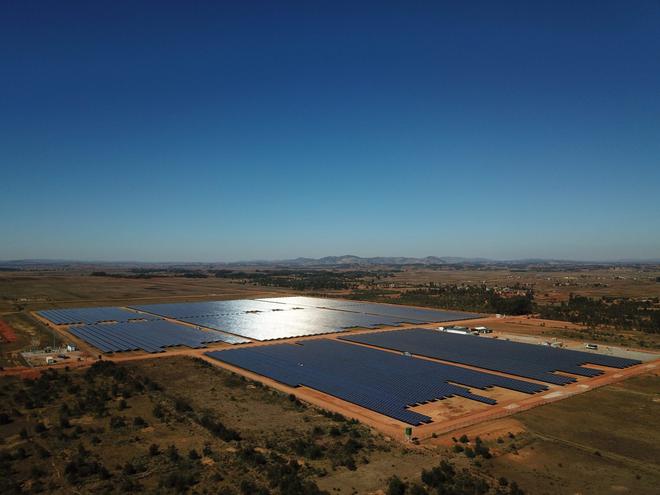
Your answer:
<point x="550" y="286"/>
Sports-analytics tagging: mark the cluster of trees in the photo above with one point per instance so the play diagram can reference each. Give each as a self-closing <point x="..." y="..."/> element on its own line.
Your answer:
<point x="147" y="273"/>
<point x="464" y="298"/>
<point x="623" y="313"/>
<point x="340" y="453"/>
<point x="445" y="479"/>
<point x="301" y="279"/>
<point x="217" y="429"/>
<point x="282" y="474"/>
<point x="103" y="382"/>
<point x="122" y="275"/>
<point x="83" y="465"/>
<point x="472" y="451"/>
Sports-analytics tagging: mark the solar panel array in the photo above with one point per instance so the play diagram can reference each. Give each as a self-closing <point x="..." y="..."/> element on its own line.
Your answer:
<point x="92" y="315"/>
<point x="286" y="317"/>
<point x="207" y="308"/>
<point x="149" y="336"/>
<point x="404" y="314"/>
<point x="515" y="358"/>
<point x="380" y="381"/>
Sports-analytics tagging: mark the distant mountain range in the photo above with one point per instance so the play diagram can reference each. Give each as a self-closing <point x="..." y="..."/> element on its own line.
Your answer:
<point x="349" y="259"/>
<point x="352" y="260"/>
<point x="343" y="261"/>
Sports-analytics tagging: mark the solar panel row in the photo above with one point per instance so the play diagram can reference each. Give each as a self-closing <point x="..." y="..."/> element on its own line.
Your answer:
<point x="150" y="336"/>
<point x="380" y="381"/>
<point x="515" y="358"/>
<point x="92" y="315"/>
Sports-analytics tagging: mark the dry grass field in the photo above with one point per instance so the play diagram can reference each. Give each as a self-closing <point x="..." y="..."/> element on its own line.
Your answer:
<point x="603" y="441"/>
<point x="53" y="289"/>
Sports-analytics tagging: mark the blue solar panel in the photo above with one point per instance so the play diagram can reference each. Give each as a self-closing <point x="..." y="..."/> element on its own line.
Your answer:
<point x="150" y="336"/>
<point x="381" y="381"/>
<point x="89" y="316"/>
<point x="515" y="358"/>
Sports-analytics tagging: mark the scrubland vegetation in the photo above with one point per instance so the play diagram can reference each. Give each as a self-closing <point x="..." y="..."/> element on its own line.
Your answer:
<point x="115" y="429"/>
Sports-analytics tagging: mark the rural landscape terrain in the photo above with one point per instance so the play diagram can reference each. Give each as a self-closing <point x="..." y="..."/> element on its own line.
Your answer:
<point x="180" y="421"/>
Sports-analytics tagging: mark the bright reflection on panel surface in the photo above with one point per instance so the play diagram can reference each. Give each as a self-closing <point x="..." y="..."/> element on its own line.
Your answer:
<point x="403" y="313"/>
<point x="285" y="317"/>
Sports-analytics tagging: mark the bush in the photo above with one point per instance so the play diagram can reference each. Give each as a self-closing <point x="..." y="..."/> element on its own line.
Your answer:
<point x="444" y="479"/>
<point x="218" y="429"/>
<point x="181" y="406"/>
<point x="250" y="488"/>
<point x="117" y="422"/>
<point x="307" y="448"/>
<point x="159" y="411"/>
<point x="81" y="466"/>
<point x="514" y="489"/>
<point x="139" y="422"/>
<point x="250" y="456"/>
<point x="154" y="450"/>
<point x="395" y="486"/>
<point x="481" y="449"/>
<point x="179" y="481"/>
<point x="173" y="453"/>
<point x="42" y="452"/>
<point x="129" y="469"/>
<point x="20" y="454"/>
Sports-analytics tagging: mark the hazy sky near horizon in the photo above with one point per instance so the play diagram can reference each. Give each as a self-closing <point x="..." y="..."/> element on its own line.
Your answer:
<point x="210" y="131"/>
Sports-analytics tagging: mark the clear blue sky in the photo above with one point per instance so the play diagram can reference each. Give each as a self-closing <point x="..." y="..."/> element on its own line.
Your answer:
<point x="212" y="131"/>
